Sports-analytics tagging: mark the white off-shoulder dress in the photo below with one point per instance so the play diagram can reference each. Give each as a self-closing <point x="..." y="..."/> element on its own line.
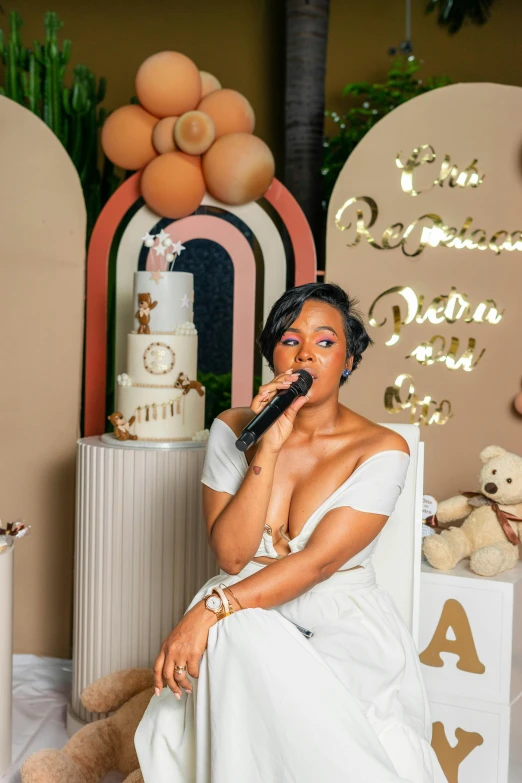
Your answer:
<point x="347" y="705"/>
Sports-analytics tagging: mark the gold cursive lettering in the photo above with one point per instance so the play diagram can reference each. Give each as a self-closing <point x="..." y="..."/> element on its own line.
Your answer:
<point x="428" y="229"/>
<point x="394" y="404"/>
<point x="424" y="354"/>
<point x="445" y="307"/>
<point x="467" y="178"/>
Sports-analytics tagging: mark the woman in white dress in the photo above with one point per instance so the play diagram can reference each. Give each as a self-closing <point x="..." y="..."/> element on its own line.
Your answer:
<point x="252" y="696"/>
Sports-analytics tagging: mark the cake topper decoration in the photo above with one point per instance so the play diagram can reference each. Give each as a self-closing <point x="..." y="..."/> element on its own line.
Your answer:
<point x="164" y="247"/>
<point x="148" y="240"/>
<point x="122" y="426"/>
<point x="183" y="382"/>
<point x="145" y="305"/>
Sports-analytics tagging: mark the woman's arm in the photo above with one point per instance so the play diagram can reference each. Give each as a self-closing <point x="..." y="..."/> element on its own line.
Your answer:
<point x="340" y="535"/>
<point x="236" y="523"/>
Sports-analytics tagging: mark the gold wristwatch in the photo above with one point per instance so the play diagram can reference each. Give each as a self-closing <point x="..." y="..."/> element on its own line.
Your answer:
<point x="215" y="603"/>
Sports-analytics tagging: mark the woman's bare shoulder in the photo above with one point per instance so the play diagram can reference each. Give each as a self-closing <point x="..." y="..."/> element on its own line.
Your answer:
<point x="237" y="418"/>
<point x="374" y="437"/>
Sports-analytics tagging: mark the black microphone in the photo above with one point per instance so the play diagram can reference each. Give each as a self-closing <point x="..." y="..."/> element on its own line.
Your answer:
<point x="278" y="405"/>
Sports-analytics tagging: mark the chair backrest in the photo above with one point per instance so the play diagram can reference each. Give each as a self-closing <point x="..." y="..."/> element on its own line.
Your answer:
<point x="397" y="559"/>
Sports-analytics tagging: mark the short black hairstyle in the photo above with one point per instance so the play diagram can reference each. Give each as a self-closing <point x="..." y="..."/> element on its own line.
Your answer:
<point x="289" y="305"/>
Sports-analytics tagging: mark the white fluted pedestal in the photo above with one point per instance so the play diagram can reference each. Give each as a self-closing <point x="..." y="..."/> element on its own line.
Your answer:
<point x="141" y="554"/>
<point x="6" y="657"/>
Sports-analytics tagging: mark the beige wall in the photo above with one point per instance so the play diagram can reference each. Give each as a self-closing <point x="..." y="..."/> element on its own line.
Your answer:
<point x="242" y="42"/>
<point x="362" y="31"/>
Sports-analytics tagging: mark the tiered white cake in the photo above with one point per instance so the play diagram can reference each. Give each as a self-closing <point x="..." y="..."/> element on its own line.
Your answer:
<point x="160" y="389"/>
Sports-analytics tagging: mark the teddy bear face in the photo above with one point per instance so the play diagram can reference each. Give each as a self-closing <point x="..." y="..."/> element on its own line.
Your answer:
<point x="144" y="301"/>
<point x="117" y="418"/>
<point x="501" y="476"/>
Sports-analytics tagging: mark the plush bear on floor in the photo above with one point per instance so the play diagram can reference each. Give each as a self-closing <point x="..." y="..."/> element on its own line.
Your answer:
<point x="105" y="745"/>
<point x="493" y="526"/>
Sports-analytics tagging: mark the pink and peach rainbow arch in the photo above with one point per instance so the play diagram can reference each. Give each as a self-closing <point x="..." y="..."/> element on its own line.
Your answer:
<point x="192" y="227"/>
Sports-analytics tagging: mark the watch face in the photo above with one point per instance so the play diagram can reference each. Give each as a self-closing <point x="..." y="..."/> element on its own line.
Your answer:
<point x="214" y="602"/>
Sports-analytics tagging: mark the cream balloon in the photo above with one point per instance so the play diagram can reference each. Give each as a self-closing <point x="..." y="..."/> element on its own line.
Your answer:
<point x="194" y="132"/>
<point x="209" y="83"/>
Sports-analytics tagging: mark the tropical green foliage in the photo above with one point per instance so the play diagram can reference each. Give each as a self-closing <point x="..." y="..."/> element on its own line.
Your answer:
<point x="453" y="13"/>
<point x="218" y="390"/>
<point x="370" y="103"/>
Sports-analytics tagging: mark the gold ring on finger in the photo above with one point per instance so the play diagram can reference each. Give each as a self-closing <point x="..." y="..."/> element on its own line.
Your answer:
<point x="180" y="669"/>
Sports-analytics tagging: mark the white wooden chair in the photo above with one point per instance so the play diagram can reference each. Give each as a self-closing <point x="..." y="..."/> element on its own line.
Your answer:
<point x="397" y="559"/>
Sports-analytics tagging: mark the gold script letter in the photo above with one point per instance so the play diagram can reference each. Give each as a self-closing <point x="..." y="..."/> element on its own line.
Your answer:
<point x="450" y="758"/>
<point x="453" y="616"/>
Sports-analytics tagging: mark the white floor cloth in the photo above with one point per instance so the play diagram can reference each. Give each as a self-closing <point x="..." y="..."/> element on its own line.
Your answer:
<point x="270" y="706"/>
<point x="41" y="691"/>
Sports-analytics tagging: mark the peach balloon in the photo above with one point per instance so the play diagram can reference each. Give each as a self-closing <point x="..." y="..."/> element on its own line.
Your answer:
<point x="518" y="403"/>
<point x="238" y="168"/>
<point x="194" y="132"/>
<point x="163" y="135"/>
<point x="168" y="84"/>
<point x="209" y="83"/>
<point x="126" y="137"/>
<point x="173" y="184"/>
<point x="230" y="111"/>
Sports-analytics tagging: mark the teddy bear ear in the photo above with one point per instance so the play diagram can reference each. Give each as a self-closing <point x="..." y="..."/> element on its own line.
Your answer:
<point x="490" y="452"/>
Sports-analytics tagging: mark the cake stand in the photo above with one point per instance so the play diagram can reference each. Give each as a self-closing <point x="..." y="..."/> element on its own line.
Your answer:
<point x="141" y="554"/>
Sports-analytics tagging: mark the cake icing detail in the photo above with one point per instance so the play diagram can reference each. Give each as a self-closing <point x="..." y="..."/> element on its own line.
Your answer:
<point x="159" y="358"/>
<point x="185" y="329"/>
<point x="201" y="435"/>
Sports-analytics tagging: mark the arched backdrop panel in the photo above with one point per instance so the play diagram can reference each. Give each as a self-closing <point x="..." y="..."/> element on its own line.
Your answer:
<point x="42" y="273"/>
<point x="247" y="234"/>
<point x="435" y="245"/>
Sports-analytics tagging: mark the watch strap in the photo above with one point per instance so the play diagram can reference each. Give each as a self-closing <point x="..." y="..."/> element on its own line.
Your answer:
<point x="226" y="603"/>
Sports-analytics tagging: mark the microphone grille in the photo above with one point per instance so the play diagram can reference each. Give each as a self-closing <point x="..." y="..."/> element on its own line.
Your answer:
<point x="304" y="381"/>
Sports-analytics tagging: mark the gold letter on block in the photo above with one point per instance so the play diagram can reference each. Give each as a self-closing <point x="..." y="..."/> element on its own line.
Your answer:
<point x="450" y="758"/>
<point x="453" y="616"/>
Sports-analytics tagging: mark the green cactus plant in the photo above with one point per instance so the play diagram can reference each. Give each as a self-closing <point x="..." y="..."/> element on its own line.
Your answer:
<point x="36" y="78"/>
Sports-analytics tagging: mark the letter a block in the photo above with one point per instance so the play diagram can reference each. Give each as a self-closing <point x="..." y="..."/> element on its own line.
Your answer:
<point x="470" y="648"/>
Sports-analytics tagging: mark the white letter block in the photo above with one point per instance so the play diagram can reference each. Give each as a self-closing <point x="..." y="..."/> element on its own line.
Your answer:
<point x="478" y="742"/>
<point x="480" y="620"/>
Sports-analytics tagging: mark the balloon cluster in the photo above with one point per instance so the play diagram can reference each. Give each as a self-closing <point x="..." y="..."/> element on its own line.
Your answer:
<point x="190" y="136"/>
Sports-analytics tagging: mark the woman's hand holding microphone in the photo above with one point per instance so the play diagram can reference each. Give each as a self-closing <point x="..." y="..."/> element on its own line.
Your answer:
<point x="280" y="431"/>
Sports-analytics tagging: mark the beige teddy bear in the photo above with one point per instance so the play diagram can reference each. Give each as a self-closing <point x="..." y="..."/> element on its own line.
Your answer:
<point x="493" y="526"/>
<point x="102" y="746"/>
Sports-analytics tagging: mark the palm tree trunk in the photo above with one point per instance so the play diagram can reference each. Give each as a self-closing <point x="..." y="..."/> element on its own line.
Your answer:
<point x="306" y="39"/>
